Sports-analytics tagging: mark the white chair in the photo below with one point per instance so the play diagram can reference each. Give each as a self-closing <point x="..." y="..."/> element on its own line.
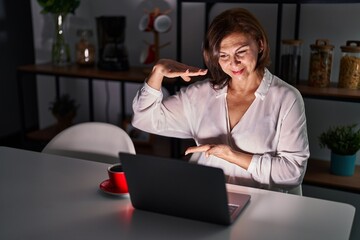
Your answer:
<point x="95" y="141"/>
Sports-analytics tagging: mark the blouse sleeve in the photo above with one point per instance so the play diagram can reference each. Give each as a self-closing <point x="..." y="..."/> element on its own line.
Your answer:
<point x="286" y="168"/>
<point x="167" y="117"/>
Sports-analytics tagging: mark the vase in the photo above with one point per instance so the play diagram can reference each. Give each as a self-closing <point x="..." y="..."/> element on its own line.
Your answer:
<point x="342" y="165"/>
<point x="60" y="54"/>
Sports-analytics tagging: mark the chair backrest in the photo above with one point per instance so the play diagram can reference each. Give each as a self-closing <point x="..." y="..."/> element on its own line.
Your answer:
<point x="95" y="141"/>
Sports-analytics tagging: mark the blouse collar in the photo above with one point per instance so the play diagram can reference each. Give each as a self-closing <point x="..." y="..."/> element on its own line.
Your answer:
<point x="264" y="85"/>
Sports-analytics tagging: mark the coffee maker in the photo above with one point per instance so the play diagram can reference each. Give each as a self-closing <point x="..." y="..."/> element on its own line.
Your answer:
<point x="113" y="54"/>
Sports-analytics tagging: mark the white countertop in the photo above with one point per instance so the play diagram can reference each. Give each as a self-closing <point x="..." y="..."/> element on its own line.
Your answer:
<point x="51" y="197"/>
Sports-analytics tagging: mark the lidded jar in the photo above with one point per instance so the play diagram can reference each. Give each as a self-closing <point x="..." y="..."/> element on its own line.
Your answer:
<point x="290" y="60"/>
<point x="321" y="59"/>
<point x="349" y="75"/>
<point x="85" y="49"/>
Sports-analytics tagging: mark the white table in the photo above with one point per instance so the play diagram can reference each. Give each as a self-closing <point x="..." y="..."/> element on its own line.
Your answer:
<point x="50" y="197"/>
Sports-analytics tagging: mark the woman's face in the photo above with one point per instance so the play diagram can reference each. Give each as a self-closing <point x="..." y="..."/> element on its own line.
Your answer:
<point x="238" y="55"/>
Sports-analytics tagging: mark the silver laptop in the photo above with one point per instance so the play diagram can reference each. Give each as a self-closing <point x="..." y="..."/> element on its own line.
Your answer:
<point x="178" y="188"/>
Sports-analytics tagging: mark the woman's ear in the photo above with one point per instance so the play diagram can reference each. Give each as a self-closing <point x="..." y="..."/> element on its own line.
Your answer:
<point x="261" y="46"/>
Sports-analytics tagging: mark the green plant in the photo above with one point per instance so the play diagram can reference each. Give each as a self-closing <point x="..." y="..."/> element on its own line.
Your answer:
<point x="59" y="6"/>
<point x="342" y="140"/>
<point x="63" y="106"/>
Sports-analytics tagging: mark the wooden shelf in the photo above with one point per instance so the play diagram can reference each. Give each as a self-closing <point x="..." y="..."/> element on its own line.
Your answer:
<point x="318" y="174"/>
<point x="46" y="134"/>
<point x="329" y="93"/>
<point x="135" y="74"/>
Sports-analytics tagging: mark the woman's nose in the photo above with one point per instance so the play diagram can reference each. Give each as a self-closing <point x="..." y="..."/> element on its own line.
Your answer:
<point x="235" y="60"/>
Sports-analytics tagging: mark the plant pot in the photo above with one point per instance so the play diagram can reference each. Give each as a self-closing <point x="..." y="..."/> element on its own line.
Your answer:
<point x="66" y="120"/>
<point x="342" y="165"/>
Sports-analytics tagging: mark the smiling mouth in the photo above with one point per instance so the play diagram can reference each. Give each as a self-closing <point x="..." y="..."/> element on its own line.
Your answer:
<point x="238" y="72"/>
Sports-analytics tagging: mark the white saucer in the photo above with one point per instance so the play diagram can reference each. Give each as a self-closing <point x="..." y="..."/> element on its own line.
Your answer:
<point x="107" y="187"/>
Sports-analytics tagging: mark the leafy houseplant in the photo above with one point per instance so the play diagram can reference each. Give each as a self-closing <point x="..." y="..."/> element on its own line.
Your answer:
<point x="59" y="6"/>
<point x="60" y="53"/>
<point x="64" y="109"/>
<point x="344" y="142"/>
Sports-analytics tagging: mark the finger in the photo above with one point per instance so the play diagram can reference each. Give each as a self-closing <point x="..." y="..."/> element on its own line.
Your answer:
<point x="201" y="148"/>
<point x="197" y="72"/>
<point x="186" y="78"/>
<point x="178" y="73"/>
<point x="209" y="152"/>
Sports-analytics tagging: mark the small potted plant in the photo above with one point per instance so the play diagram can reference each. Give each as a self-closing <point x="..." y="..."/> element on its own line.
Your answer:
<point x="343" y="142"/>
<point x="64" y="110"/>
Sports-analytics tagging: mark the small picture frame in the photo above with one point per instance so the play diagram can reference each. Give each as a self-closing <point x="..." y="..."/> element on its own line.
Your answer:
<point x="138" y="137"/>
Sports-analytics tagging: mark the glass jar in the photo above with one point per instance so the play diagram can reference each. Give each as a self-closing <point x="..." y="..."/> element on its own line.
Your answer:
<point x="349" y="76"/>
<point x="321" y="58"/>
<point x="85" y="49"/>
<point x="290" y="60"/>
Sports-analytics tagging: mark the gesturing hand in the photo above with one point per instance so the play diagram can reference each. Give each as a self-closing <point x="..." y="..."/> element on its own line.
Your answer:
<point x="222" y="151"/>
<point x="171" y="69"/>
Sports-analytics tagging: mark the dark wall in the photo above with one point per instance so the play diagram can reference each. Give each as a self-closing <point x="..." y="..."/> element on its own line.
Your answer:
<point x="16" y="48"/>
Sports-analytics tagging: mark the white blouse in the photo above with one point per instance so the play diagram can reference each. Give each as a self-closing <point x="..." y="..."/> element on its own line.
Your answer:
<point x="273" y="128"/>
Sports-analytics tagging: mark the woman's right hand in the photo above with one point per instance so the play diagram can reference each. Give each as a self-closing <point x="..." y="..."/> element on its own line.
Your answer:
<point x="171" y="69"/>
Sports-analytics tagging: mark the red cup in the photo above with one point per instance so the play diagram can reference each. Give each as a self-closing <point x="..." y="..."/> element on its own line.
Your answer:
<point x="117" y="178"/>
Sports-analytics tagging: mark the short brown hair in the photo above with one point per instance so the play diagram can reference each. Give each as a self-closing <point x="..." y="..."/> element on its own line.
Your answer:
<point x="233" y="20"/>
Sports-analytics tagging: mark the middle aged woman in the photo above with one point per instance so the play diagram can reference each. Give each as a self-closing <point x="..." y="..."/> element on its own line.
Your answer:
<point x="243" y="119"/>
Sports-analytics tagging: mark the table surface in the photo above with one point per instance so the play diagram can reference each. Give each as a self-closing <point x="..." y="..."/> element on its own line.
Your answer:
<point x="52" y="197"/>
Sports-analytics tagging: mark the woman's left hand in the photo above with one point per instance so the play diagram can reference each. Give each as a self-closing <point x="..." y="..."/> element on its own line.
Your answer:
<point x="220" y="150"/>
<point x="223" y="151"/>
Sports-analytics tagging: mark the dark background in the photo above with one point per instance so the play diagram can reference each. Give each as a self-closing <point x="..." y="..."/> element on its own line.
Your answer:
<point x="16" y="48"/>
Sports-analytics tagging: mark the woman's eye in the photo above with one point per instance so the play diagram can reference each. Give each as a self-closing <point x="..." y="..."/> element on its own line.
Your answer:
<point x="223" y="56"/>
<point x="241" y="53"/>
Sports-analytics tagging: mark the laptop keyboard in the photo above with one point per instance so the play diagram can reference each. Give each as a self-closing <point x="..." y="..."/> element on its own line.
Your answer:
<point x="232" y="208"/>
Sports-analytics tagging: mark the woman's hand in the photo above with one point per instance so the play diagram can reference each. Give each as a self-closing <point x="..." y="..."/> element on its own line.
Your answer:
<point x="220" y="150"/>
<point x="223" y="151"/>
<point x="171" y="69"/>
